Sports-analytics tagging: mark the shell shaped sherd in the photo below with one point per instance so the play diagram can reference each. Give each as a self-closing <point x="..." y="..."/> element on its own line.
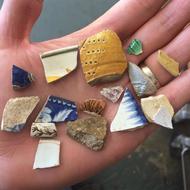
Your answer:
<point x="93" y="106"/>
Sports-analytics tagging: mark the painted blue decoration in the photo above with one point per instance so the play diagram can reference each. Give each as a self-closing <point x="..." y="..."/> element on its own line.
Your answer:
<point x="129" y="115"/>
<point x="16" y="129"/>
<point x="57" y="110"/>
<point x="21" y="78"/>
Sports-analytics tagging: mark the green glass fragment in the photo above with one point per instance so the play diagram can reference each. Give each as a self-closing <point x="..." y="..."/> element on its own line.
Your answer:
<point x="135" y="47"/>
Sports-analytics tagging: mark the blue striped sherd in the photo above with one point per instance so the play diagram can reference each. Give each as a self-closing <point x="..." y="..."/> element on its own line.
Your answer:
<point x="129" y="115"/>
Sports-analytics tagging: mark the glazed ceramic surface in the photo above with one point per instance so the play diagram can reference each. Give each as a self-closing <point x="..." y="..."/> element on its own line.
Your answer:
<point x="57" y="109"/>
<point x="47" y="154"/>
<point x="59" y="63"/>
<point x="103" y="58"/>
<point x="168" y="63"/>
<point x="163" y="118"/>
<point x="21" y="78"/>
<point x="142" y="85"/>
<point x="129" y="115"/>
<point x="16" y="113"/>
<point x="112" y="93"/>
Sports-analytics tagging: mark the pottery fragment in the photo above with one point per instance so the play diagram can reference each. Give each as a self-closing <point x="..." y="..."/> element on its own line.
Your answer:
<point x="59" y="63"/>
<point x="103" y="58"/>
<point x="16" y="113"/>
<point x="135" y="47"/>
<point x="21" y="78"/>
<point x="152" y="104"/>
<point x="43" y="130"/>
<point x="57" y="109"/>
<point x="168" y="63"/>
<point x="89" y="131"/>
<point x="142" y="84"/>
<point x="93" y="106"/>
<point x="112" y="93"/>
<point x="47" y="154"/>
<point x="129" y="115"/>
<point x="163" y="118"/>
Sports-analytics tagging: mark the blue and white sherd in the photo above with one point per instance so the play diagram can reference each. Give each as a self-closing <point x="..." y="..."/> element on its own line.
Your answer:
<point x="129" y="115"/>
<point x="57" y="110"/>
<point x="21" y="78"/>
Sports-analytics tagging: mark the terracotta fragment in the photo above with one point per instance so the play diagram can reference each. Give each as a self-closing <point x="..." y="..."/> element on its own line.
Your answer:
<point x="43" y="130"/>
<point x="129" y="115"/>
<point x="103" y="58"/>
<point x="16" y="113"/>
<point x="152" y="104"/>
<point x="89" y="131"/>
<point x="59" y="63"/>
<point x="168" y="63"/>
<point x="47" y="154"/>
<point x="142" y="84"/>
<point x="93" y="106"/>
<point x="112" y="93"/>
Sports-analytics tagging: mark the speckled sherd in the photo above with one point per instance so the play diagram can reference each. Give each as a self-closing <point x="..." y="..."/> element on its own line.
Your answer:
<point x="16" y="113"/>
<point x="112" y="93"/>
<point x="89" y="131"/>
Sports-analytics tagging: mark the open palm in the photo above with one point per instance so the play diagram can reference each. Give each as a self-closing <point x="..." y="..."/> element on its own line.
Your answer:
<point x="17" y="151"/>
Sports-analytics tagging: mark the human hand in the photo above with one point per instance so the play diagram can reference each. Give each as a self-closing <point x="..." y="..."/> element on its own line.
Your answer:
<point x="127" y="18"/>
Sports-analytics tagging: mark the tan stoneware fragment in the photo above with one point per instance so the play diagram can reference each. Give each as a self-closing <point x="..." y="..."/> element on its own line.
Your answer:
<point x="93" y="106"/>
<point x="16" y="113"/>
<point x="102" y="57"/>
<point x="43" y="130"/>
<point x="152" y="104"/>
<point x="88" y="131"/>
<point x="168" y="63"/>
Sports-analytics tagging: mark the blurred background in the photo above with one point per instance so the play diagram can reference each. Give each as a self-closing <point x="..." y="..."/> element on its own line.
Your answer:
<point x="151" y="166"/>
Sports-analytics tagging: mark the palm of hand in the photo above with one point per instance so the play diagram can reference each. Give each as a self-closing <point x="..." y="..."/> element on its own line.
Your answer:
<point x="17" y="151"/>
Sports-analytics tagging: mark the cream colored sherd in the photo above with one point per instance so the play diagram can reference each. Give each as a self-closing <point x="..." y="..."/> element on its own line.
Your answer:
<point x="59" y="63"/>
<point x="152" y="105"/>
<point x="16" y="113"/>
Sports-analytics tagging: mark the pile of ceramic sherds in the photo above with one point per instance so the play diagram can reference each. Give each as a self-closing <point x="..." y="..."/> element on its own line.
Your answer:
<point x="103" y="60"/>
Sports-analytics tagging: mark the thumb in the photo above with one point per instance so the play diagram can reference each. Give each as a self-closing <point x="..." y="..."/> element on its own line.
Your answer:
<point x="17" y="18"/>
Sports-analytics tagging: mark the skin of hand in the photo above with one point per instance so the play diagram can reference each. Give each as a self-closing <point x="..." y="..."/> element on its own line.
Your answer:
<point x="129" y="18"/>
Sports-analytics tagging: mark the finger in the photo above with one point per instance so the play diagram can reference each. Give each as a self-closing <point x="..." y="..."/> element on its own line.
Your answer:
<point x="17" y="18"/>
<point x="162" y="28"/>
<point x="120" y="18"/>
<point x="178" y="49"/>
<point x="178" y="90"/>
<point x="127" y="16"/>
